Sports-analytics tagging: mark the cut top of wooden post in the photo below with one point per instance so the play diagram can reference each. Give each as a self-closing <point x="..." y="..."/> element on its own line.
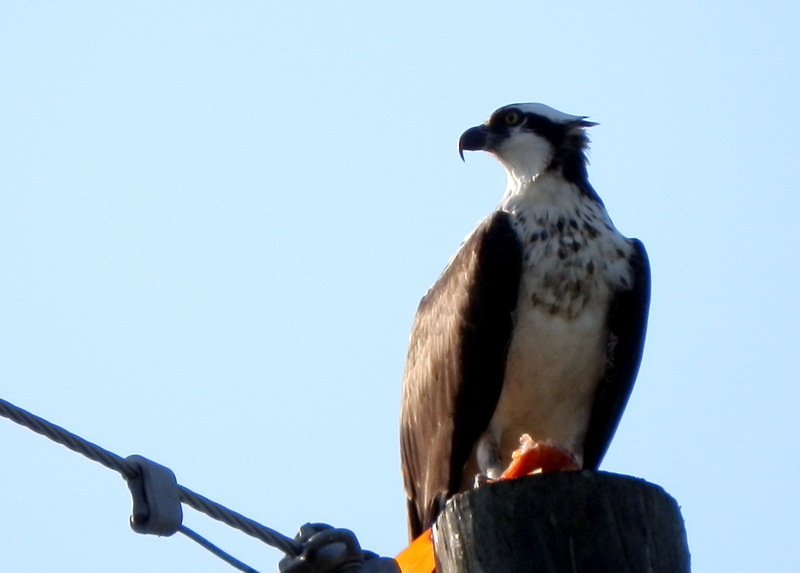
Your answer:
<point x="563" y="522"/>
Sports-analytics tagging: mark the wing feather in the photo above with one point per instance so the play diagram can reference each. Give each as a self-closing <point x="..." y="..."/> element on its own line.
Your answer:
<point x="627" y="326"/>
<point x="456" y="364"/>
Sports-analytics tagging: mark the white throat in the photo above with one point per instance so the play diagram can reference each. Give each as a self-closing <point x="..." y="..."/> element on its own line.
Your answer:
<point x="517" y="183"/>
<point x="541" y="191"/>
<point x="525" y="158"/>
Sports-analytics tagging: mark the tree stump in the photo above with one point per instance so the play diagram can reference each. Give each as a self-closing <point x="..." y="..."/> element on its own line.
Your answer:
<point x="563" y="522"/>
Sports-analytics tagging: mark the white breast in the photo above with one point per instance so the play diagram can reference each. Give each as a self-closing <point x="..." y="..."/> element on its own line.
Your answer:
<point x="574" y="260"/>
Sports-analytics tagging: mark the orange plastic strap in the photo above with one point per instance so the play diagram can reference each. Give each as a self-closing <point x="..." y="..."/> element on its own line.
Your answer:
<point x="418" y="557"/>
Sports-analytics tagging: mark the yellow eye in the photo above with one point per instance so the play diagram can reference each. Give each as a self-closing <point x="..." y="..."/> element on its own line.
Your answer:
<point x="513" y="118"/>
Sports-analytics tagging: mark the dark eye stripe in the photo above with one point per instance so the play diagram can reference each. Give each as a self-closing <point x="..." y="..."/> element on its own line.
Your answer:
<point x="553" y="132"/>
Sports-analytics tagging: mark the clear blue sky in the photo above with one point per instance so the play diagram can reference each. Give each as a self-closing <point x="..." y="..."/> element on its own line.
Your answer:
<point x="217" y="219"/>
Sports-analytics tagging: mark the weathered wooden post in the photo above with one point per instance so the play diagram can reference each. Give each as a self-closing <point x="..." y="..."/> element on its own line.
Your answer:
<point x="562" y="522"/>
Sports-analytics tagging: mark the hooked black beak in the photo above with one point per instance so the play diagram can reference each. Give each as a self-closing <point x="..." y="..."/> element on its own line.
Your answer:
<point x="474" y="139"/>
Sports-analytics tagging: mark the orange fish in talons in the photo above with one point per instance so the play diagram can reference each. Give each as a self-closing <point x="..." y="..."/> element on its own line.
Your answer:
<point x="539" y="457"/>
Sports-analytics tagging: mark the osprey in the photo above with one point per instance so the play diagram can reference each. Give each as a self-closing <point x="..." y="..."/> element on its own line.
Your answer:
<point x="535" y="326"/>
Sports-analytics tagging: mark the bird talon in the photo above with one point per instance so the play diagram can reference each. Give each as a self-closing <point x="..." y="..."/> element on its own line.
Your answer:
<point x="482" y="479"/>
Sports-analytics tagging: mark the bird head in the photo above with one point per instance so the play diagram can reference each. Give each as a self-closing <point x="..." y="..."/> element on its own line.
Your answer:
<point x="530" y="138"/>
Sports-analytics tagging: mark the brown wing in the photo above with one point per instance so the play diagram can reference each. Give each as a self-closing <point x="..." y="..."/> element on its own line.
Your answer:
<point x="627" y="323"/>
<point x="456" y="365"/>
